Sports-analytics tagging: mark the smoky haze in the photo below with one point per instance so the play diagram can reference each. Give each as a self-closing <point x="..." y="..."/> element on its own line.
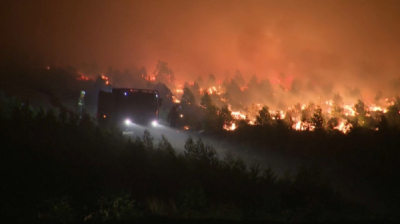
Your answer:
<point x="344" y="46"/>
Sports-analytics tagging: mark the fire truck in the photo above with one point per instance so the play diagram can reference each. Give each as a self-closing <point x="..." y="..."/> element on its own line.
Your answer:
<point x="124" y="108"/>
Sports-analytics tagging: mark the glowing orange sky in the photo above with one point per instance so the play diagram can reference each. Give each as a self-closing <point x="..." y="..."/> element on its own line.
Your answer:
<point x="351" y="41"/>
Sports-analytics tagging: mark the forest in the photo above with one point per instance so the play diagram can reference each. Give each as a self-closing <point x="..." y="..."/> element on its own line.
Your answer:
<point x="57" y="167"/>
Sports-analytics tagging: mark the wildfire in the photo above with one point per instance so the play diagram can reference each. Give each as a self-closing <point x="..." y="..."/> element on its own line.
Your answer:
<point x="105" y="78"/>
<point x="344" y="126"/>
<point x="232" y="127"/>
<point x="349" y="110"/>
<point x="151" y="78"/>
<point x="243" y="88"/>
<point x="299" y="115"/>
<point x="277" y="114"/>
<point x="83" y="78"/>
<point x="303" y="126"/>
<point x="212" y="90"/>
<point x="175" y="100"/>
<point x="237" y="115"/>
<point x="376" y="108"/>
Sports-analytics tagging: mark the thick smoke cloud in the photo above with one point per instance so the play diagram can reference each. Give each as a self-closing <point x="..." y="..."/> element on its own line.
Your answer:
<point x="324" y="47"/>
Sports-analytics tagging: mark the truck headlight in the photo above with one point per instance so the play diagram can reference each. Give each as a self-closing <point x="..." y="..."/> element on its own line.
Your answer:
<point x="128" y="122"/>
<point x="154" y="123"/>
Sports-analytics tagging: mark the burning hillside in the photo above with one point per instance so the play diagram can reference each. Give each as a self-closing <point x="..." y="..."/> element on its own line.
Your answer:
<point x="336" y="114"/>
<point x="262" y="102"/>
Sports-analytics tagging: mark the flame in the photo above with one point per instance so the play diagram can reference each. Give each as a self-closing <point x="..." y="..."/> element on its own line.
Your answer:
<point x="151" y="78"/>
<point x="105" y="78"/>
<point x="349" y="110"/>
<point x="344" y="126"/>
<point x="237" y="115"/>
<point x="83" y="78"/>
<point x="249" y="113"/>
<point x="212" y="90"/>
<point x="175" y="100"/>
<point x="243" y="88"/>
<point x="232" y="127"/>
<point x="376" y="108"/>
<point x="302" y="126"/>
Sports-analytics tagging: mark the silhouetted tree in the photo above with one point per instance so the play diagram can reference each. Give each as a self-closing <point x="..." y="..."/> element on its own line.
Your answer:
<point x="239" y="78"/>
<point x="252" y="111"/>
<point x="393" y="113"/>
<point x="337" y="107"/>
<point x="360" y="108"/>
<point x="264" y="117"/>
<point x="318" y="119"/>
<point x="279" y="122"/>
<point x="191" y="112"/>
<point x="166" y="95"/>
<point x="253" y="82"/>
<point x="378" y="96"/>
<point x="224" y="117"/>
<point x="211" y="81"/>
<point x="233" y="92"/>
<point x="361" y="118"/>
<point x="163" y="73"/>
<point x="211" y="119"/>
<point x="289" y="117"/>
<point x="188" y="97"/>
<point x="295" y="86"/>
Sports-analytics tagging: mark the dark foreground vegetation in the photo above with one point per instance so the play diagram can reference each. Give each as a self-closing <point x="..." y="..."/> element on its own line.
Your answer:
<point x="59" y="168"/>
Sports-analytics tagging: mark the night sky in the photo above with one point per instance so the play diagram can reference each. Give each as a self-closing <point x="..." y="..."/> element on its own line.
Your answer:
<point x="349" y="43"/>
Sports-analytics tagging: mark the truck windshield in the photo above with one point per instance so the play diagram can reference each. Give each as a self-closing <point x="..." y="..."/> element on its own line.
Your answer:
<point x="141" y="100"/>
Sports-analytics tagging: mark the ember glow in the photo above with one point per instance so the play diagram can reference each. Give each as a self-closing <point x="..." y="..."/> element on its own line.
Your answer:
<point x="150" y="78"/>
<point x="238" y="116"/>
<point x="82" y="77"/>
<point x="328" y="45"/>
<point x="105" y="78"/>
<point x="285" y="52"/>
<point x="342" y="112"/>
<point x="175" y="99"/>
<point x="231" y="127"/>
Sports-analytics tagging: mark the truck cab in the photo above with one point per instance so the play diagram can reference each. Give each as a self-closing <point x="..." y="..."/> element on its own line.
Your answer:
<point x="125" y="107"/>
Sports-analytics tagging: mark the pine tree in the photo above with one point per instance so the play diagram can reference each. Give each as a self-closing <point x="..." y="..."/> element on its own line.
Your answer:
<point x="318" y="119"/>
<point x="264" y="118"/>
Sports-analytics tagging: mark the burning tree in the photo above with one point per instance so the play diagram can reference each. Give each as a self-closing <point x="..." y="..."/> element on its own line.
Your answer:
<point x="163" y="73"/>
<point x="190" y="111"/>
<point x="211" y="80"/>
<point x="210" y="113"/>
<point x="361" y="118"/>
<point x="393" y="113"/>
<point x="167" y="103"/>
<point x="264" y="118"/>
<point x="336" y="104"/>
<point x="188" y="97"/>
<point x="318" y="119"/>
<point x="214" y="119"/>
<point x="225" y="118"/>
<point x="280" y="122"/>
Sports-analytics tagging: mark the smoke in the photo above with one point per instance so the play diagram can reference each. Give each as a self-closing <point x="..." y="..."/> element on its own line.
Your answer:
<point x="322" y="48"/>
<point x="264" y="157"/>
